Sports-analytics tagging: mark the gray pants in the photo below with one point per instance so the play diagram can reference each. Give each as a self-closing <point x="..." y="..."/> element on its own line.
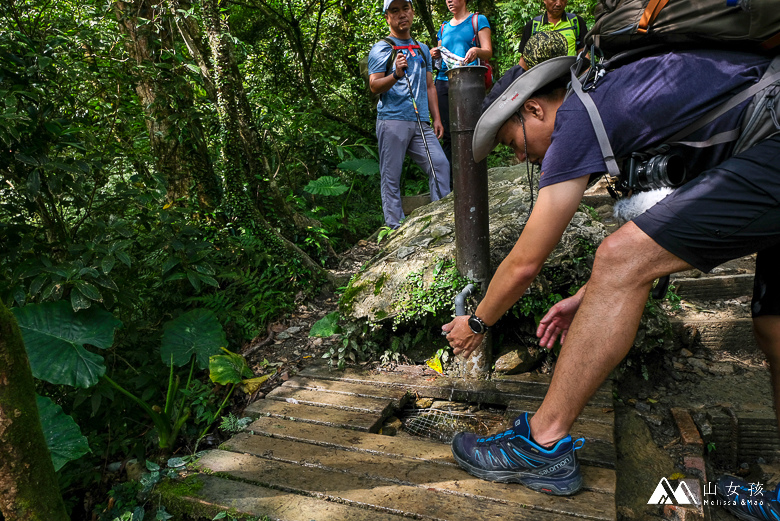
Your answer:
<point x="396" y="139"/>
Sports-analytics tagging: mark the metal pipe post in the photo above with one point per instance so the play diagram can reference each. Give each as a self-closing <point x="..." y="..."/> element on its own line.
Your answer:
<point x="469" y="182"/>
<point x="469" y="179"/>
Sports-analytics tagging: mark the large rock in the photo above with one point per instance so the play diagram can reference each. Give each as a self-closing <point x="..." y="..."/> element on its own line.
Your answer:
<point x="412" y="256"/>
<point x="514" y="360"/>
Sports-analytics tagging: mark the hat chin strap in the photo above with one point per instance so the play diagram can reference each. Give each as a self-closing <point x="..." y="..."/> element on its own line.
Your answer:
<point x="527" y="165"/>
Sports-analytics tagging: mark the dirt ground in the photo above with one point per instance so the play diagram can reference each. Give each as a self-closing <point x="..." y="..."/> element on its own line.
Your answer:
<point x="647" y="439"/>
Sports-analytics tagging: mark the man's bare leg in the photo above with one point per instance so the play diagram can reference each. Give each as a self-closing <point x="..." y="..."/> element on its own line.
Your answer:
<point x="605" y="325"/>
<point x="767" y="331"/>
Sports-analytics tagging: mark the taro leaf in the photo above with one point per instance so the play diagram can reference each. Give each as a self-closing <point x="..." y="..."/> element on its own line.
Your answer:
<point x="197" y="332"/>
<point x="63" y="436"/>
<point x="55" y="335"/>
<point x="326" y="326"/>
<point x="229" y="368"/>
<point x="361" y="166"/>
<point x="326" y="185"/>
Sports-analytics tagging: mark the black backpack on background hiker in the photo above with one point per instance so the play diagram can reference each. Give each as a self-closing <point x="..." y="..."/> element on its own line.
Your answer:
<point x="363" y="64"/>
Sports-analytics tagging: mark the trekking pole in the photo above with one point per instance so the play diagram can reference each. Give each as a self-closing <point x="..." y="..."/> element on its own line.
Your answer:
<point x="425" y="142"/>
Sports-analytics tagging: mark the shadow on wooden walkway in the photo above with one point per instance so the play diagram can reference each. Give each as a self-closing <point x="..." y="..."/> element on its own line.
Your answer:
<point x="314" y="453"/>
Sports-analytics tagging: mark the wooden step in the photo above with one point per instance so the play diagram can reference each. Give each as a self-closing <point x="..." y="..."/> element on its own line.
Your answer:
<point x="394" y="446"/>
<point x="714" y="287"/>
<point x="214" y="495"/>
<point x="501" y="390"/>
<point x="434" y="499"/>
<point x="396" y="394"/>
<point x="732" y="335"/>
<point x="347" y="402"/>
<point x="359" y="421"/>
<point x="313" y="443"/>
<point x="397" y="468"/>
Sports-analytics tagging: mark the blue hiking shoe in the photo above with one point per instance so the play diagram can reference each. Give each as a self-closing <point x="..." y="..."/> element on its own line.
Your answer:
<point x="511" y="457"/>
<point x="748" y="501"/>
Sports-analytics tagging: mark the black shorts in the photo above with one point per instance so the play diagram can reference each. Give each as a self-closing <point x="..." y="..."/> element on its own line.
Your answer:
<point x="727" y="212"/>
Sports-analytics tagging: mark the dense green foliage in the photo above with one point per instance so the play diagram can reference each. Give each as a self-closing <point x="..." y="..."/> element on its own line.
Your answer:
<point x="158" y="158"/>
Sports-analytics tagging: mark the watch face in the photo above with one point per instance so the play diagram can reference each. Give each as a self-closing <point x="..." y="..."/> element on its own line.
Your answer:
<point x="476" y="325"/>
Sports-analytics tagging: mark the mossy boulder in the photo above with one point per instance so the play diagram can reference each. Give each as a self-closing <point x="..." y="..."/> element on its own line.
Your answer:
<point x="427" y="237"/>
<point x="406" y="286"/>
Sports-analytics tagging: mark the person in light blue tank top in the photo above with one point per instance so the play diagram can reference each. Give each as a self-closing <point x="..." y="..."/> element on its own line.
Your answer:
<point x="458" y="37"/>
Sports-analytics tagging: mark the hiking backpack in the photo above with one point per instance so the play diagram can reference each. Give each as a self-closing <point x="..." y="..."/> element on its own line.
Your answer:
<point x="737" y="24"/>
<point x="363" y="65"/>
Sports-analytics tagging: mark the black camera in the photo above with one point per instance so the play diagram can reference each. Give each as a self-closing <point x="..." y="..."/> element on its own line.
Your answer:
<point x="663" y="170"/>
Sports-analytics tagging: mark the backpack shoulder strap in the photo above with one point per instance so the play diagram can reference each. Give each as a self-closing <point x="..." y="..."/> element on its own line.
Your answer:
<point x="536" y="22"/>
<point x="425" y="60"/>
<point x="572" y="18"/>
<point x="441" y="29"/>
<point x="721" y="109"/>
<point x="393" y="52"/>
<point x="474" y="22"/>
<point x="598" y="126"/>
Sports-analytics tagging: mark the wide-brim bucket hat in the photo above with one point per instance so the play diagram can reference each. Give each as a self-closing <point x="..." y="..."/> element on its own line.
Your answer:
<point x="510" y="101"/>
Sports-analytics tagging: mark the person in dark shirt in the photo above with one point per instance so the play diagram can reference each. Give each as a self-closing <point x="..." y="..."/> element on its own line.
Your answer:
<point x="555" y="18"/>
<point x="730" y="210"/>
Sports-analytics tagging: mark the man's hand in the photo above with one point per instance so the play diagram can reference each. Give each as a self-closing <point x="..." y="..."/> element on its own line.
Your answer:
<point x="400" y="65"/>
<point x="460" y="336"/>
<point x="558" y="320"/>
<point x="435" y="53"/>
<point x="438" y="128"/>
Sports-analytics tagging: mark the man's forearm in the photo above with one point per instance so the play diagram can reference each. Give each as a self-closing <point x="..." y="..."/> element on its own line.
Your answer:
<point x="433" y="103"/>
<point x="382" y="84"/>
<point x="499" y="298"/>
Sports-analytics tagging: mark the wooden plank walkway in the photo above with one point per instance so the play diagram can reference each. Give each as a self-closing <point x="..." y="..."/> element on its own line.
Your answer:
<point x="315" y="453"/>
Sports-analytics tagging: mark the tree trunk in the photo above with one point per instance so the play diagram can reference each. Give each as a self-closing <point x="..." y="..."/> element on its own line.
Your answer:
<point x="177" y="138"/>
<point x="423" y="12"/>
<point x="237" y="138"/>
<point x="28" y="483"/>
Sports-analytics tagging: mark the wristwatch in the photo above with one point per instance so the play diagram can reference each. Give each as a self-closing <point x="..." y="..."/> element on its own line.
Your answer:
<point x="396" y="77"/>
<point x="477" y="325"/>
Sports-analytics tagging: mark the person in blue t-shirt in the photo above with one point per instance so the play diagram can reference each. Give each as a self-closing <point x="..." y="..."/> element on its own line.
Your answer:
<point x="397" y="129"/>
<point x="458" y="37"/>
<point x="730" y="210"/>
